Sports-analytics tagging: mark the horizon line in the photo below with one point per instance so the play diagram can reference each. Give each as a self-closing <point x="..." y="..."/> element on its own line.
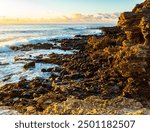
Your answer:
<point x="63" y="23"/>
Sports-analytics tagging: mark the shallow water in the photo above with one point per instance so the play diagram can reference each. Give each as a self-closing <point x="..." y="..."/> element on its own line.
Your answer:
<point x="12" y="71"/>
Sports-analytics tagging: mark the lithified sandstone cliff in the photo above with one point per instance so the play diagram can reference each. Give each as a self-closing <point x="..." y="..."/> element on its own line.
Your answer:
<point x="128" y="49"/>
<point x="136" y="26"/>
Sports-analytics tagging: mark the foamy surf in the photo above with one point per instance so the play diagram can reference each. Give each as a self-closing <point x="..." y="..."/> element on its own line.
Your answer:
<point x="17" y="35"/>
<point x="24" y="34"/>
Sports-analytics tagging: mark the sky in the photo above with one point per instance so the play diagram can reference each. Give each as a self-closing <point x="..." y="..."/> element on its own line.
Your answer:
<point x="61" y="11"/>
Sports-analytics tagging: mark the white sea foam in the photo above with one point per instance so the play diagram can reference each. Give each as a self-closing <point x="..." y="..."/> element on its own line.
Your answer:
<point x="23" y="34"/>
<point x="12" y="71"/>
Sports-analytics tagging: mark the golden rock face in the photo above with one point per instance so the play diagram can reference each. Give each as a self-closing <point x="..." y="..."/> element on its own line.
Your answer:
<point x="136" y="26"/>
<point x="130" y="59"/>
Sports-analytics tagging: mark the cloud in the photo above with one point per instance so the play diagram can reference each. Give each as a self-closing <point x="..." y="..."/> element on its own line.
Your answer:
<point x="100" y="17"/>
<point x="74" y="18"/>
<point x="109" y="16"/>
<point x="79" y="16"/>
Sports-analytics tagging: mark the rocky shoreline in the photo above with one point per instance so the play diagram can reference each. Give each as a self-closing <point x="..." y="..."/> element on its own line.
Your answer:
<point x="107" y="74"/>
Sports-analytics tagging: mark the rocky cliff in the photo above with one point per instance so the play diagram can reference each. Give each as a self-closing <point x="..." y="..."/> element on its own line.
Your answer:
<point x="128" y="49"/>
<point x="136" y="24"/>
<point x="136" y="27"/>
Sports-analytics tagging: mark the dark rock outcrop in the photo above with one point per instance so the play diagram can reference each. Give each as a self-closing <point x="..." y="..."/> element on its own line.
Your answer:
<point x="29" y="65"/>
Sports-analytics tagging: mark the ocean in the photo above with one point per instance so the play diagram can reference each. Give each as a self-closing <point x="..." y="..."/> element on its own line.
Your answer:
<point x="10" y="35"/>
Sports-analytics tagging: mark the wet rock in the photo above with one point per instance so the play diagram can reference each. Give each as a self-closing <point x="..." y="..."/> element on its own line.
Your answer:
<point x="3" y="95"/>
<point x="23" y="84"/>
<point x="15" y="93"/>
<point x="29" y="65"/>
<point x="63" y="72"/>
<point x="7" y="78"/>
<point x="28" y="47"/>
<point x="54" y="59"/>
<point x="57" y="69"/>
<point x="3" y="64"/>
<point x="41" y="90"/>
<point x="49" y="69"/>
<point x="111" y="30"/>
<point x="27" y="95"/>
<point x="43" y="70"/>
<point x="54" y="75"/>
<point x="74" y="76"/>
<point x="39" y="79"/>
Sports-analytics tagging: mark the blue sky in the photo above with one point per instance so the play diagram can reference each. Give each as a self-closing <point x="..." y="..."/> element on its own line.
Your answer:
<point x="62" y="8"/>
<point x="92" y="6"/>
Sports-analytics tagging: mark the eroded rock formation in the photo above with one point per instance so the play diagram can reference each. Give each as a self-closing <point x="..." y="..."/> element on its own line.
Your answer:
<point x="130" y="65"/>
